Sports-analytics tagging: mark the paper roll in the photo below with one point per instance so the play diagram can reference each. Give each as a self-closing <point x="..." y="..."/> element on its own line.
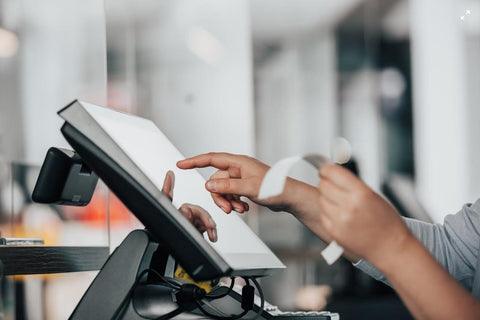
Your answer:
<point x="274" y="182"/>
<point x="332" y="252"/>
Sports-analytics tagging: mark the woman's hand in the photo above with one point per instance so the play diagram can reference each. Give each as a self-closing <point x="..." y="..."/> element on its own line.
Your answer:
<point x="358" y="218"/>
<point x="199" y="217"/>
<point x="329" y="219"/>
<point x="345" y="209"/>
<point x="237" y="176"/>
<point x="365" y="223"/>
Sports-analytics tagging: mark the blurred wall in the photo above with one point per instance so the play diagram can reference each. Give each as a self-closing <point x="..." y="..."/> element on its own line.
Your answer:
<point x="296" y="112"/>
<point x="296" y="99"/>
<point x="444" y="142"/>
<point x="57" y="54"/>
<point x="361" y="124"/>
<point x="192" y="69"/>
<point x="51" y="38"/>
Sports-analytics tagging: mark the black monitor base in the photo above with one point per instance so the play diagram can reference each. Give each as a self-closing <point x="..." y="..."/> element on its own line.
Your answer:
<point x="118" y="292"/>
<point x="110" y="297"/>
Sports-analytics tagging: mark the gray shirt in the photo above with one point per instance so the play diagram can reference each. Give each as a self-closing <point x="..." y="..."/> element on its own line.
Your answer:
<point x="455" y="245"/>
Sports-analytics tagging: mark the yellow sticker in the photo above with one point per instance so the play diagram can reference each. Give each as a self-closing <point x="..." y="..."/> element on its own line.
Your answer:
<point x="182" y="274"/>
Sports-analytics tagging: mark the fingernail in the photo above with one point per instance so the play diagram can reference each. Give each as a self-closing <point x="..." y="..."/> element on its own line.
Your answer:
<point x="211" y="220"/>
<point x="215" y="237"/>
<point x="223" y="208"/>
<point x="211" y="185"/>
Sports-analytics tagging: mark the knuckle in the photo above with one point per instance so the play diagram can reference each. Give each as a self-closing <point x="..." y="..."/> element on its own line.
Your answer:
<point x="335" y="169"/>
<point x="224" y="185"/>
<point x="319" y="201"/>
<point x="194" y="208"/>
<point x="216" y="174"/>
<point x="210" y="155"/>
<point x="328" y="169"/>
<point x="323" y="203"/>
<point x="322" y="186"/>
<point x="352" y="206"/>
<point x="234" y="172"/>
<point x="204" y="214"/>
<point x="346" y="216"/>
<point x="186" y="207"/>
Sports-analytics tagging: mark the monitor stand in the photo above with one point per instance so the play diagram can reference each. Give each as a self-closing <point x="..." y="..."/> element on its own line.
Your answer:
<point x="110" y="294"/>
<point x="114" y="295"/>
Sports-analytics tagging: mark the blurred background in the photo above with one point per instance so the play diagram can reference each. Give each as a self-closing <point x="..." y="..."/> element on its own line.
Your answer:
<point x="395" y="82"/>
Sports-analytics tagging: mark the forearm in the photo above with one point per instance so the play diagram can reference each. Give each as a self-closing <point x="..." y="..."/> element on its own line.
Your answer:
<point x="426" y="288"/>
<point x="454" y="245"/>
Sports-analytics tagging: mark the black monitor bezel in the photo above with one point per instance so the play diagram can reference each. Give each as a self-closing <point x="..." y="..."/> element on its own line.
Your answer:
<point x="190" y="249"/>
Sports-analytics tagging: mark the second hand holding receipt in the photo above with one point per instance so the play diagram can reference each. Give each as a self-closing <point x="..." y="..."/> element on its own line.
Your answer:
<point x="274" y="182"/>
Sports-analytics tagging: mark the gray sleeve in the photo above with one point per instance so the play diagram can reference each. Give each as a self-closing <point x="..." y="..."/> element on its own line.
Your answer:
<point x="455" y="244"/>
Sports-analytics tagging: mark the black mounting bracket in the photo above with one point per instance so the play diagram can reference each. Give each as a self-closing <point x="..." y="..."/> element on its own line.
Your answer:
<point x="109" y="295"/>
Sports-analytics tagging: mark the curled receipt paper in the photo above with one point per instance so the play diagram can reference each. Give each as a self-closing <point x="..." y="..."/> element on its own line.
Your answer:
<point x="274" y="182"/>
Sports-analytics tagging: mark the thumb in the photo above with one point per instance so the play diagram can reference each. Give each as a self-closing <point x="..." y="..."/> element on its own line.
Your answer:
<point x="168" y="184"/>
<point x="242" y="187"/>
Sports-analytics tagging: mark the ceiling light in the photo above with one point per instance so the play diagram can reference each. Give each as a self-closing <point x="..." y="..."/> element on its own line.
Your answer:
<point x="205" y="45"/>
<point x="8" y="43"/>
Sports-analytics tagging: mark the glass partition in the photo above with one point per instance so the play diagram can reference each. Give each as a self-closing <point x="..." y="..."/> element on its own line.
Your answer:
<point x="51" y="52"/>
<point x="57" y="54"/>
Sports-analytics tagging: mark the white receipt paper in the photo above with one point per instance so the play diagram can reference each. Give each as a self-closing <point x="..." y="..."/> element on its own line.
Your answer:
<point x="274" y="182"/>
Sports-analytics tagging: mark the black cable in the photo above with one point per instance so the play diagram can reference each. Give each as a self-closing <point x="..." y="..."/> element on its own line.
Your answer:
<point x="176" y="286"/>
<point x="185" y="297"/>
<point x="262" y="298"/>
<point x="128" y="296"/>
<point x="245" y="311"/>
<point x="200" y="307"/>
<point x="172" y="284"/>
<point x="214" y="297"/>
<point x="214" y="316"/>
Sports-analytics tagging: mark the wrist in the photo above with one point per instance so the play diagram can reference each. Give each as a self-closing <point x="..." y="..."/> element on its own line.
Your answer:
<point x="297" y="196"/>
<point x="392" y="253"/>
